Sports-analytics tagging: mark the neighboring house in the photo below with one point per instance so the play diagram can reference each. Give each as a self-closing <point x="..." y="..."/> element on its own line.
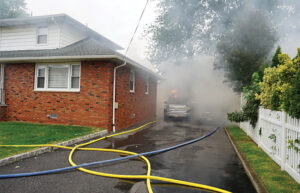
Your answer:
<point x="56" y="70"/>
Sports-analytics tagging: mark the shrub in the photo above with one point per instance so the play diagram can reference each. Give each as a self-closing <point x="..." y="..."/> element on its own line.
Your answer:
<point x="250" y="109"/>
<point x="277" y="82"/>
<point x="267" y="87"/>
<point x="294" y="108"/>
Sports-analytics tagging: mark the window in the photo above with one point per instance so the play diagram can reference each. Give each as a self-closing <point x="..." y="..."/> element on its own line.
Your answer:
<point x="147" y="86"/>
<point x="42" y="35"/>
<point x="132" y="80"/>
<point x="41" y="77"/>
<point x="57" y="77"/>
<point x="75" y="77"/>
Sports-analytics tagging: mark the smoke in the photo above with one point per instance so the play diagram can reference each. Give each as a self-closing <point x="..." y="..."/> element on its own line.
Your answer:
<point x="288" y="26"/>
<point x="195" y="78"/>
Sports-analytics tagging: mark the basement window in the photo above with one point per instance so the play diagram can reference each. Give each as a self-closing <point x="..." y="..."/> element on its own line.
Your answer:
<point x="57" y="77"/>
<point x="132" y="80"/>
<point x="42" y="35"/>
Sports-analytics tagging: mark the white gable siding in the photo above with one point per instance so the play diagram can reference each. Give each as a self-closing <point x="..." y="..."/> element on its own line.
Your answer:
<point x="24" y="38"/>
<point x="69" y="35"/>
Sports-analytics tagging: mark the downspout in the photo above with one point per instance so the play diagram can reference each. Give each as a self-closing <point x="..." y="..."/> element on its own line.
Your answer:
<point x="2" y="79"/>
<point x="114" y="96"/>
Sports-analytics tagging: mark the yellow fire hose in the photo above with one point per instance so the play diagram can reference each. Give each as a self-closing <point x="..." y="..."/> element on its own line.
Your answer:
<point x="148" y="177"/>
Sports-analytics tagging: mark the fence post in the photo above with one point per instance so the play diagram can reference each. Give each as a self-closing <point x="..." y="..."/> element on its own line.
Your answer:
<point x="283" y="139"/>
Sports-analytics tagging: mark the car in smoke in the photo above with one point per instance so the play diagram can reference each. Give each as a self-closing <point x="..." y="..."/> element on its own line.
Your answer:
<point x="177" y="109"/>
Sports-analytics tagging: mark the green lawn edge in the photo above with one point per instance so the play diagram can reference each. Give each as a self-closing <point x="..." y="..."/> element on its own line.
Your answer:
<point x="21" y="133"/>
<point x="275" y="180"/>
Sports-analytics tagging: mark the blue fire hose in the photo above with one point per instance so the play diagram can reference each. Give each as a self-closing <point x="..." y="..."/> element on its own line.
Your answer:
<point x="108" y="161"/>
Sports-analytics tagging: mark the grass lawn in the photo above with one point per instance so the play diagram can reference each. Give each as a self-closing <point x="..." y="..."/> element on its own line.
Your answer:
<point x="275" y="180"/>
<point x="16" y="133"/>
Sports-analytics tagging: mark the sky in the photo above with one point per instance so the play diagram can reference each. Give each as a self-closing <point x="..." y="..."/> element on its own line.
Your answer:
<point x="114" y="19"/>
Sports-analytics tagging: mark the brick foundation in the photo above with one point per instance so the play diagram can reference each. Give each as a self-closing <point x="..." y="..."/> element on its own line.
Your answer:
<point x="3" y="112"/>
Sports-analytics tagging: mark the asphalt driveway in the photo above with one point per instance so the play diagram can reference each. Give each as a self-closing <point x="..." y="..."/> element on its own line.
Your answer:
<point x="211" y="162"/>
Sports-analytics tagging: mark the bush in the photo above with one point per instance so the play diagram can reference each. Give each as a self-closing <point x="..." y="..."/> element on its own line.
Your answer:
<point x="278" y="89"/>
<point x="294" y="108"/>
<point x="250" y="109"/>
<point x="277" y="83"/>
<point x="267" y="87"/>
<point x="237" y="117"/>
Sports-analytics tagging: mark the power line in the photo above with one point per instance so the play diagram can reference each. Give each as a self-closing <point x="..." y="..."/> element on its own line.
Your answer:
<point x="136" y="29"/>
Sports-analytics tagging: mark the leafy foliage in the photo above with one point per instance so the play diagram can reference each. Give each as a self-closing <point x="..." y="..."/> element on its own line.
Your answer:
<point x="184" y="28"/>
<point x="267" y="87"/>
<point x="275" y="59"/>
<point x="250" y="109"/>
<point x="237" y="117"/>
<point x="244" y="48"/>
<point x="12" y="9"/>
<point x="277" y="83"/>
<point x="294" y="107"/>
<point x="275" y="101"/>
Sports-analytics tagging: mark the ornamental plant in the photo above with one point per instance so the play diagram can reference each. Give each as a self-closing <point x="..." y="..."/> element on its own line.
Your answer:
<point x="277" y="83"/>
<point x="267" y="87"/>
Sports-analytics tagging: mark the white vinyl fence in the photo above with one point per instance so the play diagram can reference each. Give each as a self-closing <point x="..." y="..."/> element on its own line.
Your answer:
<point x="279" y="136"/>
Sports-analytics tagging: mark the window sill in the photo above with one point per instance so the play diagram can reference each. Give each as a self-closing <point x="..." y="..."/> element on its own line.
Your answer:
<point x="55" y="90"/>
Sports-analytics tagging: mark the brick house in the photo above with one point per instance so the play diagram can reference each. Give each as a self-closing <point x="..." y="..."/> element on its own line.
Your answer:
<point x="56" y="70"/>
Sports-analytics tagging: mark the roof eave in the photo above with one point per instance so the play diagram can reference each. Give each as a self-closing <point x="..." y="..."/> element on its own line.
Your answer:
<point x="82" y="57"/>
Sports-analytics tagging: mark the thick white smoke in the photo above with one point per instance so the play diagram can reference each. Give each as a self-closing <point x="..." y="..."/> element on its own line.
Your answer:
<point x="196" y="80"/>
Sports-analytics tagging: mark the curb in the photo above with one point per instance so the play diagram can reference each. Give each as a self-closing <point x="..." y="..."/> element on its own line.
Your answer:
<point x="19" y="157"/>
<point x="257" y="183"/>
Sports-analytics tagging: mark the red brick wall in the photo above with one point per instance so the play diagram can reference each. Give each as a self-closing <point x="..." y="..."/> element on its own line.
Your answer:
<point x="138" y="107"/>
<point x="3" y="112"/>
<point x="91" y="106"/>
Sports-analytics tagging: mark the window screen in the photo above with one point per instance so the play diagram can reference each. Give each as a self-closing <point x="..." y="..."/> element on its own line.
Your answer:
<point x="58" y="77"/>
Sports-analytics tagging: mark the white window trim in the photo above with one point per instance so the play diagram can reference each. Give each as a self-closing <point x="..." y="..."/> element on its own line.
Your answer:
<point x="132" y="90"/>
<point x="36" y="36"/>
<point x="147" y="85"/>
<point x="46" y="89"/>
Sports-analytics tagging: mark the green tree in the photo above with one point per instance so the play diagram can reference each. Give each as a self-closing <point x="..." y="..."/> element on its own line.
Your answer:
<point x="294" y="108"/>
<point x="184" y="28"/>
<point x="12" y="9"/>
<point x="244" y="48"/>
<point x="275" y="59"/>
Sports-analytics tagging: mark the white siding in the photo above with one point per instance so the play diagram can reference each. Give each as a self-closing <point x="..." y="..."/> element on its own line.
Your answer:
<point x="24" y="38"/>
<point x="69" y="35"/>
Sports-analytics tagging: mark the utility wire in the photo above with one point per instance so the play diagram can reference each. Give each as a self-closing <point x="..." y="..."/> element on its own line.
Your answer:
<point x="136" y="29"/>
